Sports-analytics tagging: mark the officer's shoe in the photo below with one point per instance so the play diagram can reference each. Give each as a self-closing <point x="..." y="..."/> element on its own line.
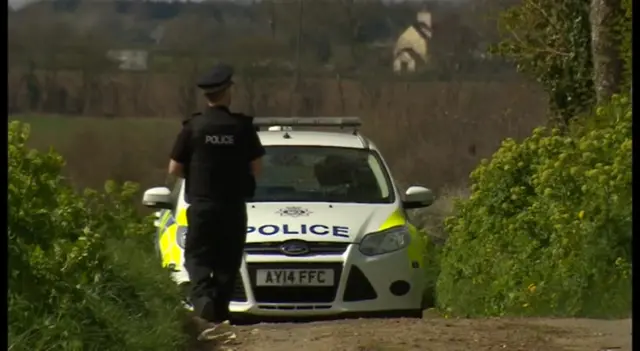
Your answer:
<point x="214" y="331"/>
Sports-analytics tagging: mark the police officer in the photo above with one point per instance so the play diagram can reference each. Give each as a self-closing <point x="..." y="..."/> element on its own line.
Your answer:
<point x="218" y="152"/>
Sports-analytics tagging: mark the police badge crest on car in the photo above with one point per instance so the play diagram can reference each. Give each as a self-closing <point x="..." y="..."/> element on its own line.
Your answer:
<point x="293" y="211"/>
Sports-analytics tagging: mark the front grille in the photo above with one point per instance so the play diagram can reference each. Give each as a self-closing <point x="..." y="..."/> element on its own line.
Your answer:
<point x="315" y="248"/>
<point x="313" y="294"/>
<point x="239" y="294"/>
<point x="358" y="287"/>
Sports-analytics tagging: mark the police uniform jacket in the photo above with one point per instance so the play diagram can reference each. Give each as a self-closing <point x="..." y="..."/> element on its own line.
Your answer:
<point x="216" y="148"/>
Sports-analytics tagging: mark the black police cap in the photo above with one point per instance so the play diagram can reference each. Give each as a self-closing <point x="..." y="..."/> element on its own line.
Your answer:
<point x="217" y="79"/>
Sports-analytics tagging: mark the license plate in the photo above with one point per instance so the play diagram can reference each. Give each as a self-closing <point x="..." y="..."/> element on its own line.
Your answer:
<point x="294" y="277"/>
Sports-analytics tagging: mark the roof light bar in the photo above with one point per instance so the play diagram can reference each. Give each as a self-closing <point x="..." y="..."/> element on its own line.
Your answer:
<point x="340" y="122"/>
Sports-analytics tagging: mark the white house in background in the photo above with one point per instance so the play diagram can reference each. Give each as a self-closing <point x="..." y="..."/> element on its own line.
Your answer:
<point x="130" y="60"/>
<point x="411" y="51"/>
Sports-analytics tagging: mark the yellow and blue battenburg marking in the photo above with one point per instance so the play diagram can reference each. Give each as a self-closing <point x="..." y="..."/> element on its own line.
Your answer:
<point x="165" y="239"/>
<point x="166" y="220"/>
<point x="415" y="250"/>
<point x="170" y="252"/>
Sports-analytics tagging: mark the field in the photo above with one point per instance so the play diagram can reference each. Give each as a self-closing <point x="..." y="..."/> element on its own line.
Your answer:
<point x="439" y="151"/>
<point x="98" y="149"/>
<point x="433" y="133"/>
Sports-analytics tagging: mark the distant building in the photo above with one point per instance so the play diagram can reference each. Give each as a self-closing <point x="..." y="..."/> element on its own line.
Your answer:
<point x="157" y="34"/>
<point x="130" y="60"/>
<point x="411" y="51"/>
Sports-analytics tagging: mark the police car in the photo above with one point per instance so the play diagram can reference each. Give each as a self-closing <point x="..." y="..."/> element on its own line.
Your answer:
<point x="328" y="230"/>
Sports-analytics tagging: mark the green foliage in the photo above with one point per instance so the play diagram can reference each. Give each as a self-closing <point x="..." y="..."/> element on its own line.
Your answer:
<point x="547" y="228"/>
<point x="82" y="275"/>
<point x="550" y="41"/>
<point x="625" y="30"/>
<point x="432" y="270"/>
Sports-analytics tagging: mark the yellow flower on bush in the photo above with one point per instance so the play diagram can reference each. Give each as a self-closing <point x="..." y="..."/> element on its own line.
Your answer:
<point x="531" y="288"/>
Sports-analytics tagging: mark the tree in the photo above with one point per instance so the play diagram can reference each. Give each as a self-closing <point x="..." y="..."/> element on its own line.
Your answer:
<point x="605" y="17"/>
<point x="574" y="48"/>
<point x="550" y="41"/>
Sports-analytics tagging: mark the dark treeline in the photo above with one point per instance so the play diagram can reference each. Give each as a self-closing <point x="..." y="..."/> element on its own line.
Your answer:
<point x="346" y="36"/>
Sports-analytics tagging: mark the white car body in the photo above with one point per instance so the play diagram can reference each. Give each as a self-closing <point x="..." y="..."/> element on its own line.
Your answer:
<point x="332" y="233"/>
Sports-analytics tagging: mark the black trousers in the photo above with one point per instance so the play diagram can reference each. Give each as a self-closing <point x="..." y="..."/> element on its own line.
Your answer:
<point x="213" y="254"/>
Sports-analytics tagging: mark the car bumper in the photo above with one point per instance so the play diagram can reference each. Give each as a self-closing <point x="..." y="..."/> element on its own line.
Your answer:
<point x="388" y="282"/>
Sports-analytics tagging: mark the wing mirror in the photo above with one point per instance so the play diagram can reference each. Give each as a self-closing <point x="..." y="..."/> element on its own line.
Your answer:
<point x="159" y="197"/>
<point x="418" y="197"/>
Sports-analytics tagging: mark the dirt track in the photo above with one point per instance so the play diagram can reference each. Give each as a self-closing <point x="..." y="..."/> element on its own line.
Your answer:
<point x="431" y="334"/>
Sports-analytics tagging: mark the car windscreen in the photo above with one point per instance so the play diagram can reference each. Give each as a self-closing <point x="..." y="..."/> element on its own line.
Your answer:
<point x="323" y="174"/>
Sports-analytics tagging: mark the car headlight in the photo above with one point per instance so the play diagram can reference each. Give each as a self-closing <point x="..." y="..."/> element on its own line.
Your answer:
<point x="181" y="236"/>
<point x="388" y="240"/>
